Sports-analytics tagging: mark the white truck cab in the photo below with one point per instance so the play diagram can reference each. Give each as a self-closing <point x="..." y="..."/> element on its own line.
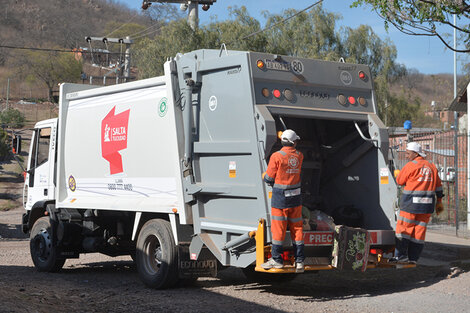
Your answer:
<point x="40" y="184"/>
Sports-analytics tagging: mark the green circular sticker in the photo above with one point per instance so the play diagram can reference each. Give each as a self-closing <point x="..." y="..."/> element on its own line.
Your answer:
<point x="162" y="107"/>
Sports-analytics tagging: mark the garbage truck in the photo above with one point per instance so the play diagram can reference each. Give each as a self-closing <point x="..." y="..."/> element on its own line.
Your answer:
<point x="169" y="169"/>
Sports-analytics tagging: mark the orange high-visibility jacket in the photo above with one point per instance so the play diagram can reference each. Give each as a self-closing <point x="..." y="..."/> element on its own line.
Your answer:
<point x="422" y="185"/>
<point x="284" y="174"/>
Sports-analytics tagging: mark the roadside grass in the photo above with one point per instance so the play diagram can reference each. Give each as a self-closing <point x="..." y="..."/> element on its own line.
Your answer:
<point x="7" y="205"/>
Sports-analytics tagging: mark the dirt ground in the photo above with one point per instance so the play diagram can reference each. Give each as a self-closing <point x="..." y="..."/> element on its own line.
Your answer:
<point x="96" y="283"/>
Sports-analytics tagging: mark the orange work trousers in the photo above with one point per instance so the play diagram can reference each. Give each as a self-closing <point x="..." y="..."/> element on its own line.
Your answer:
<point x="412" y="226"/>
<point x="279" y="220"/>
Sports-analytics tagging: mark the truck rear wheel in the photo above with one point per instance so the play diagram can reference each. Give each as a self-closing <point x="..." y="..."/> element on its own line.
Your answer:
<point x="157" y="255"/>
<point x="43" y="251"/>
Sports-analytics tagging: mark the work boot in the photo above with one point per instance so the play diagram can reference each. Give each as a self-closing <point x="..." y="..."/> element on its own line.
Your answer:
<point x="399" y="259"/>
<point x="272" y="264"/>
<point x="299" y="267"/>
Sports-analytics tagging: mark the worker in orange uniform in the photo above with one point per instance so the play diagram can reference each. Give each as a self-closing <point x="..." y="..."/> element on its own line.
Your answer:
<point x="422" y="186"/>
<point x="283" y="174"/>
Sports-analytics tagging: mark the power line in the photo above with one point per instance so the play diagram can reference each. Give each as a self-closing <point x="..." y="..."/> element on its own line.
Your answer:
<point x="276" y="24"/>
<point x="282" y="21"/>
<point x="123" y="24"/>
<point x="146" y="34"/>
<point x="144" y="30"/>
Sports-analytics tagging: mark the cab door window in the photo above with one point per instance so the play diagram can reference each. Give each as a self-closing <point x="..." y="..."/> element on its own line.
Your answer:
<point x="44" y="140"/>
<point x="40" y="153"/>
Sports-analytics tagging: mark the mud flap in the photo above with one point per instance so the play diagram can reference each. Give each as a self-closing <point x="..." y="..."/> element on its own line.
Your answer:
<point x="204" y="266"/>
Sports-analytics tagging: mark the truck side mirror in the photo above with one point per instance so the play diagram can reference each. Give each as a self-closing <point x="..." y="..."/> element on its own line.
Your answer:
<point x="16" y="144"/>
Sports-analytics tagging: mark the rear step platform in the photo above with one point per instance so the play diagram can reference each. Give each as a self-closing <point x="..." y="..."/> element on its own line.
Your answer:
<point x="290" y="268"/>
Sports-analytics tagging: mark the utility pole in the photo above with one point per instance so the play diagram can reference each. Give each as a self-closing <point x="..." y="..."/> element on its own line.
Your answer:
<point x="190" y="5"/>
<point x="127" y="56"/>
<point x="8" y="91"/>
<point x="456" y="137"/>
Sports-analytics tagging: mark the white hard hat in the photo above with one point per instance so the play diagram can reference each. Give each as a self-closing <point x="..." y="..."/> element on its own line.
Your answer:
<point x="416" y="147"/>
<point x="290" y="136"/>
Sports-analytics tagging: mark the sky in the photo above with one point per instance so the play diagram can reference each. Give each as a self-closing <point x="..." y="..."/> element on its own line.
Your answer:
<point x="426" y="54"/>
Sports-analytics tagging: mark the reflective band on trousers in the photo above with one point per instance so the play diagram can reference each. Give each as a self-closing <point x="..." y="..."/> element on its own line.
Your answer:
<point x="410" y="238"/>
<point x="401" y="218"/>
<point x="279" y="218"/>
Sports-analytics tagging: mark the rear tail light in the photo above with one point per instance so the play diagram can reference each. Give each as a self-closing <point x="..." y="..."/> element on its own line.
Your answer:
<point x="352" y="100"/>
<point x="276" y="93"/>
<point x="286" y="255"/>
<point x="362" y="75"/>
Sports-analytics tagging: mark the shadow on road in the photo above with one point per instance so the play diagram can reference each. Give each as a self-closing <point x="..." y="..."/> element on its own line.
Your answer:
<point x="11" y="231"/>
<point x="329" y="285"/>
<point x="108" y="287"/>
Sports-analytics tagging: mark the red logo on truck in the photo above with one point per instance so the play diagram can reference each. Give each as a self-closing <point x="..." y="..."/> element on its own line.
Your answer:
<point x="114" y="138"/>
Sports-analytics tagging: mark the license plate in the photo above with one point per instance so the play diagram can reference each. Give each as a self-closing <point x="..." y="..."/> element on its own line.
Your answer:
<point x="278" y="66"/>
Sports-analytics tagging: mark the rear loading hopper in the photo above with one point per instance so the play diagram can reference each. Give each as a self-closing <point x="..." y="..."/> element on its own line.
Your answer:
<point x="240" y="102"/>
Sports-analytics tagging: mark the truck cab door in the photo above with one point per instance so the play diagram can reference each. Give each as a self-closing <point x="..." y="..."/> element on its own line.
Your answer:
<point x="39" y="183"/>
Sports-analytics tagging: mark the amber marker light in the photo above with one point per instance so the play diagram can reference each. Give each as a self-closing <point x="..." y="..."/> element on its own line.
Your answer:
<point x="362" y="101"/>
<point x="265" y="92"/>
<point x="260" y="64"/>
<point x="175" y="210"/>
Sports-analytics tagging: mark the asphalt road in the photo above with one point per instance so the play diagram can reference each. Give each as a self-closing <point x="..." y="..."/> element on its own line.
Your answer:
<point x="96" y="283"/>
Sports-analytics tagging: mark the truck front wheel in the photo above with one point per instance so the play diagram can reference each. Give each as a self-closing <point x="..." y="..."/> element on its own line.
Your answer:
<point x="43" y="251"/>
<point x="157" y="255"/>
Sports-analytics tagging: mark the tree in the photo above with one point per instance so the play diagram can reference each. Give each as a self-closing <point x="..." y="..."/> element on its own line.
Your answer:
<point x="309" y="34"/>
<point x="12" y="118"/>
<point x="4" y="145"/>
<point x="235" y="32"/>
<point x="176" y="37"/>
<point x="423" y="17"/>
<point x="51" y="68"/>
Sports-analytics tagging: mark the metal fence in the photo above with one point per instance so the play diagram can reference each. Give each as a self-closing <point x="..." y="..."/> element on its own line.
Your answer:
<point x="448" y="151"/>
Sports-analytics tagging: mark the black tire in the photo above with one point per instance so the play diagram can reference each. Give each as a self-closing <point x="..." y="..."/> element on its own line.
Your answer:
<point x="260" y="277"/>
<point x="157" y="255"/>
<point x="41" y="244"/>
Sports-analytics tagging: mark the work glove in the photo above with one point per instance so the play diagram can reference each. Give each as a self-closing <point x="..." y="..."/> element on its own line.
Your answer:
<point x="269" y="183"/>
<point x="395" y="173"/>
<point x="439" y="207"/>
